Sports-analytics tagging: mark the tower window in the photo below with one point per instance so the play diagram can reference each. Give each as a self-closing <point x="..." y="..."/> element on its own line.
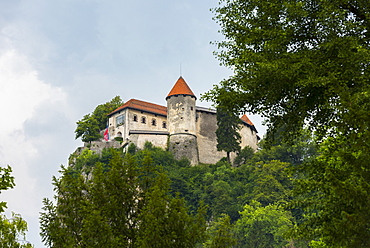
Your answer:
<point x="154" y="122"/>
<point x="135" y="118"/>
<point x="143" y="120"/>
<point x="164" y="124"/>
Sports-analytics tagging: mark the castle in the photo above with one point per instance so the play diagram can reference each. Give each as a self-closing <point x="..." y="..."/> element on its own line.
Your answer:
<point x="184" y="128"/>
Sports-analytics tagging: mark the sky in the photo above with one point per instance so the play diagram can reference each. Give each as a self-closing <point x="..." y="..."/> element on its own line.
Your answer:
<point x="59" y="59"/>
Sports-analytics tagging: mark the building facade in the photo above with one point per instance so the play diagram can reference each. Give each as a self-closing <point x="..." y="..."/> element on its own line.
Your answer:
<point x="182" y="127"/>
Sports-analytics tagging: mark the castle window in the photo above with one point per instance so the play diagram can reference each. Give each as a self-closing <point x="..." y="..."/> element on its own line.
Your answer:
<point x="143" y="120"/>
<point x="120" y="120"/>
<point x="135" y="118"/>
<point x="164" y="124"/>
<point x="154" y="122"/>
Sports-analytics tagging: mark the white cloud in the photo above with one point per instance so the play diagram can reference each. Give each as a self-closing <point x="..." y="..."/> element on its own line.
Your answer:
<point x="21" y="95"/>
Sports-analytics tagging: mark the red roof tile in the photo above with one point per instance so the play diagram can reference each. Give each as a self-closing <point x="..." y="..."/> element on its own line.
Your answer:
<point x="246" y="120"/>
<point x="142" y="106"/>
<point x="180" y="88"/>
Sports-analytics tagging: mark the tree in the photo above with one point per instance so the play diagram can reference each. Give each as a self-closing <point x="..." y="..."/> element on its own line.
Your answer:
<point x="261" y="227"/>
<point x="13" y="230"/>
<point x="101" y="111"/>
<point x="89" y="127"/>
<point x="122" y="203"/>
<point x="295" y="62"/>
<point x="306" y="63"/>
<point x="228" y="137"/>
<point x="221" y="233"/>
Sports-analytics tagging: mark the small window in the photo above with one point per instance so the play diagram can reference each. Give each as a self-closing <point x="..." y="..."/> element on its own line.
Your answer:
<point x="164" y="124"/>
<point x="135" y="118"/>
<point x="120" y="120"/>
<point x="154" y="122"/>
<point x="143" y="120"/>
<point x="191" y="108"/>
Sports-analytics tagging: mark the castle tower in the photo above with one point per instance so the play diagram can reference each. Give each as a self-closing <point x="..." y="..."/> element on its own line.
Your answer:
<point x="181" y="117"/>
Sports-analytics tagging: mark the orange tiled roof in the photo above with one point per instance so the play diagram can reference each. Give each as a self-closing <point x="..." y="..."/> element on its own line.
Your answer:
<point x="142" y="106"/>
<point x="246" y="120"/>
<point x="180" y="88"/>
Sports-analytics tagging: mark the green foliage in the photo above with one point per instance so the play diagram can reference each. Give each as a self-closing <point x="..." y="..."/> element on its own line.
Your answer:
<point x="88" y="129"/>
<point x="221" y="234"/>
<point x="228" y="137"/>
<point x="295" y="62"/>
<point x="244" y="155"/>
<point x="116" y="200"/>
<point x="263" y="227"/>
<point x="123" y="203"/>
<point x="306" y="63"/>
<point x="6" y="182"/>
<point x="13" y="230"/>
<point x="334" y="195"/>
<point x="101" y="111"/>
<point x="269" y="182"/>
<point x="132" y="149"/>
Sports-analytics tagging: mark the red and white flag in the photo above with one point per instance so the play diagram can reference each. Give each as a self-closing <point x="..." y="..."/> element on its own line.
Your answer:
<point x="106" y="135"/>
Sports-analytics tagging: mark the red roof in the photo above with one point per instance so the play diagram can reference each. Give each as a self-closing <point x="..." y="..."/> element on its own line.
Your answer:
<point x="246" y="120"/>
<point x="180" y="88"/>
<point x="142" y="106"/>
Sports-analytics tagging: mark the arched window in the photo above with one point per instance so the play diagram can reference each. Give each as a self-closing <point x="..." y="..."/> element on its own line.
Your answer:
<point x="143" y="119"/>
<point x="135" y="118"/>
<point x="154" y="122"/>
<point x="164" y="124"/>
<point x="119" y="134"/>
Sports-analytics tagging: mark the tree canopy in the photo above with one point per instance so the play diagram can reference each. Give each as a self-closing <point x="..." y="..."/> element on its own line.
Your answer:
<point x="89" y="127"/>
<point x="12" y="230"/>
<point x="306" y="63"/>
<point x="296" y="61"/>
<point x="228" y="137"/>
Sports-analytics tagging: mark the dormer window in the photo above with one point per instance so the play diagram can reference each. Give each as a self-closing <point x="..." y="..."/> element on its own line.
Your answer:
<point x="143" y="120"/>
<point x="154" y="122"/>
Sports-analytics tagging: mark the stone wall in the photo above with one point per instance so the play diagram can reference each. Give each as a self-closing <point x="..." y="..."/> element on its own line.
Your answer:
<point x="98" y="146"/>
<point x="156" y="139"/>
<point x="184" y="146"/>
<point x="207" y="139"/>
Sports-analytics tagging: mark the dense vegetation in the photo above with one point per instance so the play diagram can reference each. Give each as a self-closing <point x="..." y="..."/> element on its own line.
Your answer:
<point x="128" y="200"/>
<point x="307" y="64"/>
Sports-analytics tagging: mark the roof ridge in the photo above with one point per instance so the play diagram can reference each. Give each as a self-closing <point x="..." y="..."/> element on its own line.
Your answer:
<point x="142" y="105"/>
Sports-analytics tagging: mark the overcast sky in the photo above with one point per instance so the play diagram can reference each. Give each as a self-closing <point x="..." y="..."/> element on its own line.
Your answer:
<point x="59" y="59"/>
